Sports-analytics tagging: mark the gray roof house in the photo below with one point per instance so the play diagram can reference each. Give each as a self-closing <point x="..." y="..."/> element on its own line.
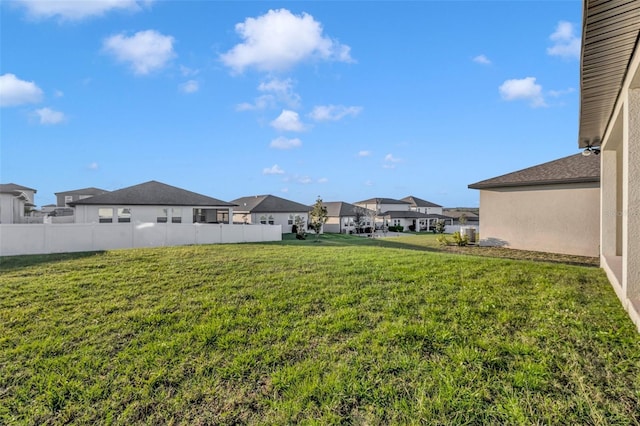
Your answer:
<point x="424" y="206"/>
<point x="152" y="202"/>
<point x="551" y="207"/>
<point x="64" y="198"/>
<point x="269" y="209"/>
<point x="341" y="216"/>
<point x="13" y="201"/>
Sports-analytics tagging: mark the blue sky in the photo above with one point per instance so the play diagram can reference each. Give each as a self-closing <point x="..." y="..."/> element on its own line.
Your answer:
<point x="338" y="99"/>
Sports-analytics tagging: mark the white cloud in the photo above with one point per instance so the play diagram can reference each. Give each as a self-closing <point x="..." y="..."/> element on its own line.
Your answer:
<point x="305" y="180"/>
<point x="364" y="153"/>
<point x="275" y="91"/>
<point x="188" y="72"/>
<point x="49" y="116"/>
<point x="58" y="93"/>
<point x="333" y="112"/>
<point x="566" y="43"/>
<point x="273" y="170"/>
<point x="558" y="93"/>
<point x="93" y="166"/>
<point x="525" y="89"/>
<point x="282" y="90"/>
<point x="390" y="161"/>
<point x="288" y="121"/>
<point x="279" y="40"/>
<point x="323" y="180"/>
<point x="368" y="183"/>
<point x="285" y="190"/>
<point x="14" y="91"/>
<point x="482" y="59"/>
<point x="145" y="51"/>
<point x="190" y="86"/>
<point x="285" y="143"/>
<point x="75" y="10"/>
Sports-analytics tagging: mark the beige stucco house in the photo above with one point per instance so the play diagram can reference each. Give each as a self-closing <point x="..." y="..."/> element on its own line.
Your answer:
<point x="610" y="122"/>
<point x="269" y="210"/>
<point x="551" y="207"/>
<point x="341" y="217"/>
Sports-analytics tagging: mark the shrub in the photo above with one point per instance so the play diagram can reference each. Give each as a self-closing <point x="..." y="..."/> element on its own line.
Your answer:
<point x="442" y="240"/>
<point x="440" y="226"/>
<point x="460" y="240"/>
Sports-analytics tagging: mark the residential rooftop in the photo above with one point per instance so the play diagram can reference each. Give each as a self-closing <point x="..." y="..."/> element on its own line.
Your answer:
<point x="575" y="168"/>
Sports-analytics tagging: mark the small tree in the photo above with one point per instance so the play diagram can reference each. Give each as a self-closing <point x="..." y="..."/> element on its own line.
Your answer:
<point x="299" y="224"/>
<point x="371" y="217"/>
<point x="318" y="217"/>
<point x="462" y="219"/>
<point x="440" y="226"/>
<point x="359" y="215"/>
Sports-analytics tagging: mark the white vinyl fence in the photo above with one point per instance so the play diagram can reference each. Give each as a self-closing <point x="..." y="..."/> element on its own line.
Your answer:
<point x="17" y="239"/>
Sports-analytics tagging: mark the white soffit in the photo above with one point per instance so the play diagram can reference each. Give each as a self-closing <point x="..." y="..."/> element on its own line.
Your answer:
<point x="610" y="33"/>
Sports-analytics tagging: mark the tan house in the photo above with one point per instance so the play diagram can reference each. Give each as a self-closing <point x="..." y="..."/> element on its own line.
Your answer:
<point x="551" y="207"/>
<point x="341" y="217"/>
<point x="610" y="122"/>
<point x="269" y="210"/>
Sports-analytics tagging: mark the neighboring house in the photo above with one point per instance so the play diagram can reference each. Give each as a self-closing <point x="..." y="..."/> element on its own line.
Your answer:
<point x="269" y="210"/>
<point x="153" y="202"/>
<point x="408" y="219"/>
<point x="471" y="218"/>
<point x="14" y="201"/>
<point x="64" y="198"/>
<point x="422" y="206"/>
<point x="410" y="212"/>
<point x="341" y="217"/>
<point x="382" y="205"/>
<point x="551" y="207"/>
<point x="610" y="120"/>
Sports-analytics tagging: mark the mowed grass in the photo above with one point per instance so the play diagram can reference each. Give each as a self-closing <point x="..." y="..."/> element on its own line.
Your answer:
<point x="312" y="333"/>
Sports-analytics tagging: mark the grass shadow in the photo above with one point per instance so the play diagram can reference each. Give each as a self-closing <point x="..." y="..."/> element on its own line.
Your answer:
<point x="10" y="263"/>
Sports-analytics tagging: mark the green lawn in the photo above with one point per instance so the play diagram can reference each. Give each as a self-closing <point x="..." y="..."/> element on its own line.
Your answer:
<point x="346" y="330"/>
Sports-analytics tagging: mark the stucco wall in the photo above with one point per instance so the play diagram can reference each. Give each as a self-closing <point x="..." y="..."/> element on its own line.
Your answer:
<point x="281" y="219"/>
<point x="89" y="213"/>
<point x="551" y="218"/>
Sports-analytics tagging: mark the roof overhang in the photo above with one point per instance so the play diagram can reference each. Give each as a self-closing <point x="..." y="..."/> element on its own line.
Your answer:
<point x="610" y="34"/>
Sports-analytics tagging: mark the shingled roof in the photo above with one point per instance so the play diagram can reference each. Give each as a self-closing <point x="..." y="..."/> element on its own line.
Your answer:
<point x="268" y="204"/>
<point x="419" y="202"/>
<point x="84" y="191"/>
<point x="152" y="193"/>
<point x="572" y="169"/>
<point x="340" y="209"/>
<point x="382" y="201"/>
<point x="12" y="187"/>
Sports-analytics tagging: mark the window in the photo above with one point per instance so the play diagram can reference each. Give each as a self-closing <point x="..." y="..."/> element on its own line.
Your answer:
<point x="222" y="216"/>
<point x="105" y="215"/>
<point x="290" y="221"/>
<point x="271" y="222"/>
<point x="199" y="216"/>
<point x="124" y="215"/>
<point x="162" y="216"/>
<point x="263" y="220"/>
<point x="68" y="199"/>
<point x="176" y="215"/>
<point x="396" y="222"/>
